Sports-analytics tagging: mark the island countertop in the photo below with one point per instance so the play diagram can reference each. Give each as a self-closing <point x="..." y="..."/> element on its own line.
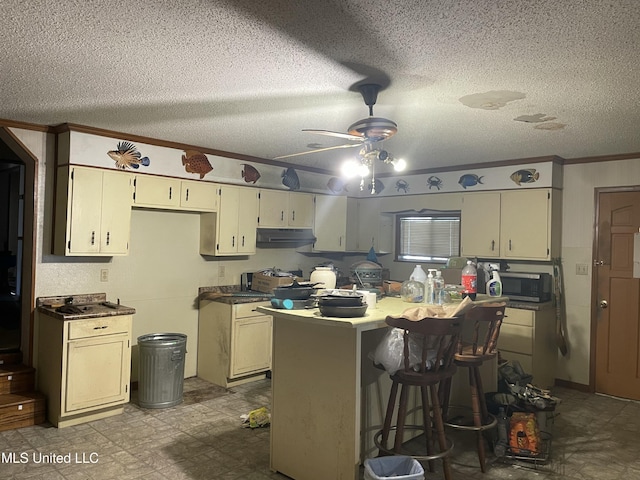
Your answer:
<point x="374" y="317"/>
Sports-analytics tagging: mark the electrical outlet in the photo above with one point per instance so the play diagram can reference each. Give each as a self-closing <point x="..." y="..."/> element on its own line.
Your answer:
<point x="104" y="275"/>
<point x="221" y="271"/>
<point x="582" y="269"/>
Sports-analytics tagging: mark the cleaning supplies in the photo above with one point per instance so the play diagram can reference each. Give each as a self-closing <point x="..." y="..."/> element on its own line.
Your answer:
<point x="469" y="280"/>
<point x="494" y="286"/>
<point x="438" y="288"/>
<point x="430" y="288"/>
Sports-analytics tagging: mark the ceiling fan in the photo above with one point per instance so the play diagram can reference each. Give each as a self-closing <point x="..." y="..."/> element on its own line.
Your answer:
<point x="366" y="133"/>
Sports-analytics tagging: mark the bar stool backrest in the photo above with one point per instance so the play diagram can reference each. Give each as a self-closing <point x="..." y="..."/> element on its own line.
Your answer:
<point x="486" y="318"/>
<point x="437" y="338"/>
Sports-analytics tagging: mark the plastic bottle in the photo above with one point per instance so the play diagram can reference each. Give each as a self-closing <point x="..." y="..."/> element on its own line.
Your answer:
<point x="438" y="287"/>
<point x="503" y="434"/>
<point x="470" y="280"/>
<point x="418" y="274"/>
<point x="429" y="289"/>
<point x="494" y="286"/>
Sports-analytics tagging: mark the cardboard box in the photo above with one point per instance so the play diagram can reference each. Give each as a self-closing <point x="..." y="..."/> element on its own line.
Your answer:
<point x="265" y="283"/>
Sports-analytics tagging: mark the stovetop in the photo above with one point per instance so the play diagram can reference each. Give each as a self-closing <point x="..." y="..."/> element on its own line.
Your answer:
<point x="74" y="307"/>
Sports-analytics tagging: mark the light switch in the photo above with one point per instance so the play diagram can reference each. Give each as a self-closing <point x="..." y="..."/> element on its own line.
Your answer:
<point x="582" y="269"/>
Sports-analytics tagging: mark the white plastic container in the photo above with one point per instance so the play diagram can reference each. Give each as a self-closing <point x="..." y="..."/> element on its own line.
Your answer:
<point x="494" y="286"/>
<point x="418" y="274"/>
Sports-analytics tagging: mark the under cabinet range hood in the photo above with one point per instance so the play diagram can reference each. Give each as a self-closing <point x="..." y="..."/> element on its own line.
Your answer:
<point x="284" y="237"/>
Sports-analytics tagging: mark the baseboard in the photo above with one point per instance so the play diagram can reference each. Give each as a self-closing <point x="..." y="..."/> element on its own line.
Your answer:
<point x="572" y="385"/>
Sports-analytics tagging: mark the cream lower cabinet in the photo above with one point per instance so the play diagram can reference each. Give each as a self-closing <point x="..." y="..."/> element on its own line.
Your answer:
<point x="513" y="224"/>
<point x="528" y="336"/>
<point x="232" y="230"/>
<point x="93" y="212"/>
<point x="330" y="223"/>
<point x="280" y="209"/>
<point x="234" y="342"/>
<point x="84" y="367"/>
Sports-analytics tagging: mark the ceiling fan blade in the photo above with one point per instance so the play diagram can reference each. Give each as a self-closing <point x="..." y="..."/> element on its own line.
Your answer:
<point x="329" y="133"/>
<point x="336" y="147"/>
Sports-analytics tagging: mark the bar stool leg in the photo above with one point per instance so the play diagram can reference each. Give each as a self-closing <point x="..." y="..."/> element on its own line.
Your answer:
<point x="400" y="421"/>
<point x="389" y="415"/>
<point x="478" y="416"/>
<point x="426" y="420"/>
<point x="439" y="423"/>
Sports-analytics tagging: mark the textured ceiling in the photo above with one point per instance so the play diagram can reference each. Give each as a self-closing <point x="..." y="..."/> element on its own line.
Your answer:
<point x="466" y="81"/>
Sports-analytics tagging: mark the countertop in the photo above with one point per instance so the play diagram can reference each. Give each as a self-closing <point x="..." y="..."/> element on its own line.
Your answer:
<point x="84" y="306"/>
<point x="231" y="294"/>
<point x="374" y="318"/>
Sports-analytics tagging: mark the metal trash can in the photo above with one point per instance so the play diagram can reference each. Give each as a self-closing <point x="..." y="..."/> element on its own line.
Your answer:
<point x="161" y="369"/>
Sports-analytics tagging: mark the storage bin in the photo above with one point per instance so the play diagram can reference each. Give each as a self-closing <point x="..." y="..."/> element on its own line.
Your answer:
<point x="161" y="369"/>
<point x="398" y="467"/>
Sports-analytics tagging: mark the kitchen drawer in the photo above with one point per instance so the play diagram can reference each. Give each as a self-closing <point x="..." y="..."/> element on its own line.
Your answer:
<point x="518" y="316"/>
<point x="516" y="338"/>
<point x="99" y="326"/>
<point x="244" y="310"/>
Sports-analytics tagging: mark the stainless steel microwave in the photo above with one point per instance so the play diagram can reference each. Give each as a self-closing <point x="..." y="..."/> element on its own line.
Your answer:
<point x="526" y="287"/>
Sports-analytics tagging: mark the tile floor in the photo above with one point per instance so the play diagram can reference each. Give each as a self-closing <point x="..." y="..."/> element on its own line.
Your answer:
<point x="594" y="437"/>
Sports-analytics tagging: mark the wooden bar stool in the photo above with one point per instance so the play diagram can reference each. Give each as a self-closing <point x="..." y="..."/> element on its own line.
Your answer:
<point x="438" y="339"/>
<point x="472" y="353"/>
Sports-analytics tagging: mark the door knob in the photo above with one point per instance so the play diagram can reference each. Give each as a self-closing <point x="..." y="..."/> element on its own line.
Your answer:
<point x="603" y="304"/>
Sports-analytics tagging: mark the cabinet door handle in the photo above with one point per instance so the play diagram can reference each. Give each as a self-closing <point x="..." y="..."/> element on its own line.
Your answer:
<point x="493" y="245"/>
<point x="101" y="328"/>
<point x="293" y="215"/>
<point x="233" y="241"/>
<point x="243" y="240"/>
<point x="170" y="192"/>
<point x="108" y="237"/>
<point x="509" y="244"/>
<point x="187" y="195"/>
<point x="93" y="237"/>
<point x="282" y="215"/>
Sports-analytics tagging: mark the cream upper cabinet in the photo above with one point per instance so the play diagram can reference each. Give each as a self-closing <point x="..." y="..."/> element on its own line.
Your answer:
<point x="280" y="209"/>
<point x="300" y="210"/>
<point x="232" y="230"/>
<point x="526" y="218"/>
<point x="93" y="212"/>
<point x="198" y="196"/>
<point x="513" y="224"/>
<point x="368" y="227"/>
<point x="330" y="223"/>
<point x="156" y="192"/>
<point x="480" y="225"/>
<point x="176" y="194"/>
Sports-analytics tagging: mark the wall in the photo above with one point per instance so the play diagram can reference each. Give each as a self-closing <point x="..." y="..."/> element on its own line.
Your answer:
<point x="160" y="276"/>
<point x="578" y="218"/>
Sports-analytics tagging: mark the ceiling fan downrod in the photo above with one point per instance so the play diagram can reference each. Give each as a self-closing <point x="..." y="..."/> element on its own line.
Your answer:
<point x="369" y="93"/>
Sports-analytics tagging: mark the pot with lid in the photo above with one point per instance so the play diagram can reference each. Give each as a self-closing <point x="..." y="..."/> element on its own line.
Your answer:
<point x="366" y="274"/>
<point x="295" y="291"/>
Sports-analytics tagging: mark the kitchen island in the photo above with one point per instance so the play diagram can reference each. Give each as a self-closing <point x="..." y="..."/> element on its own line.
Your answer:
<point x="328" y="399"/>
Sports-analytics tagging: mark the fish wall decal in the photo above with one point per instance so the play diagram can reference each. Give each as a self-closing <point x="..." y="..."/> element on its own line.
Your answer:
<point x="127" y="155"/>
<point x="196" y="162"/>
<point x="470" y="180"/>
<point x="249" y="173"/>
<point x="336" y="185"/>
<point x="290" y="179"/>
<point x="526" y="175"/>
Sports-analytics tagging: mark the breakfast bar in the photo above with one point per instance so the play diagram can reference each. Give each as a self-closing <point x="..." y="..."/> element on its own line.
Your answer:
<point x="328" y="399"/>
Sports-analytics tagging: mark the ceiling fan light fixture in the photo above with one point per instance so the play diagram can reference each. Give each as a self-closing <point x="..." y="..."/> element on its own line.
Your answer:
<point x="351" y="168"/>
<point x="399" y="165"/>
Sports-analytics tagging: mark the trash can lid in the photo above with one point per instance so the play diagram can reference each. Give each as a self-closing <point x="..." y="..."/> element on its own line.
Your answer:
<point x="162" y="338"/>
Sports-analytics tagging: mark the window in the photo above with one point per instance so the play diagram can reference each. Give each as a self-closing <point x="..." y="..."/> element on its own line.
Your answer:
<point x="430" y="237"/>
